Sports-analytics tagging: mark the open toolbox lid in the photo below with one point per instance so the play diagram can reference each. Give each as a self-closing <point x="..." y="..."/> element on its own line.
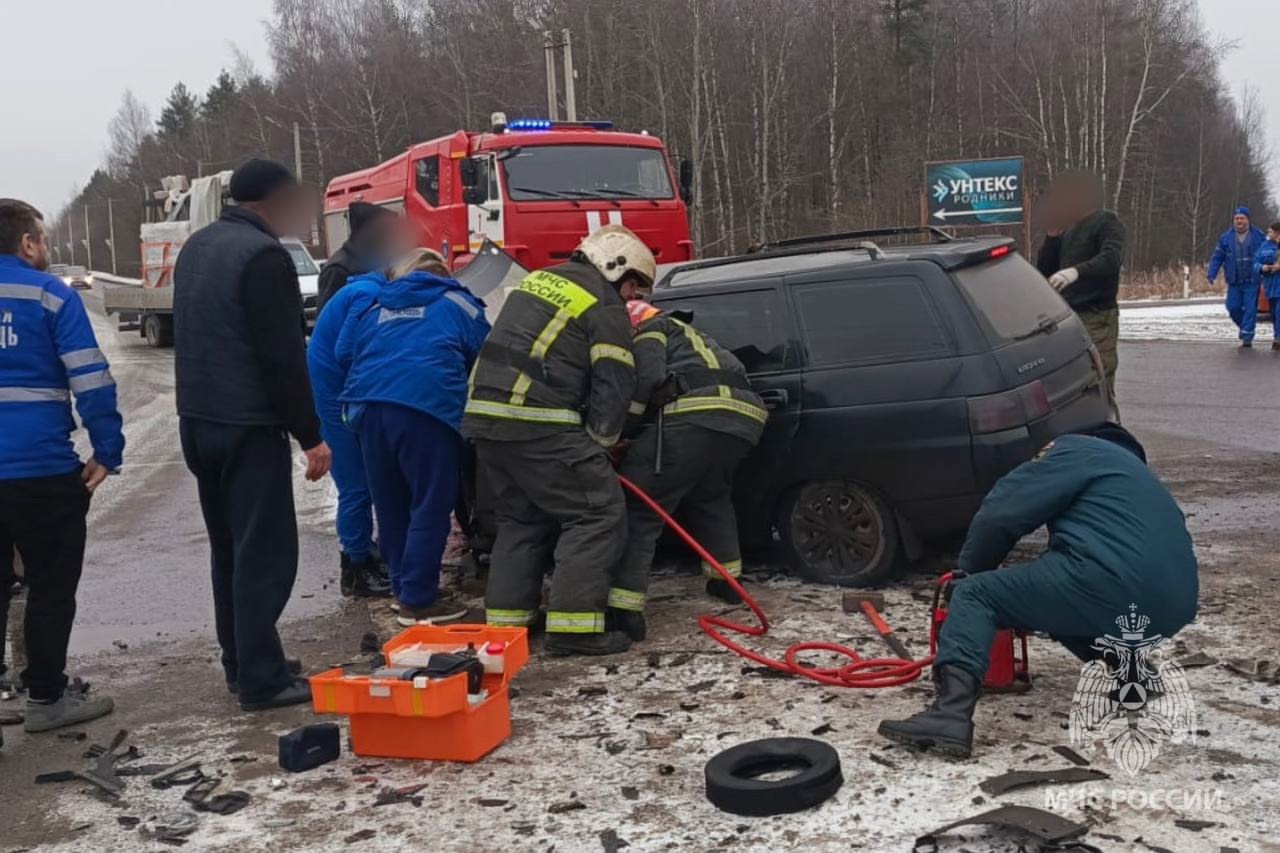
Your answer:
<point x="337" y="692"/>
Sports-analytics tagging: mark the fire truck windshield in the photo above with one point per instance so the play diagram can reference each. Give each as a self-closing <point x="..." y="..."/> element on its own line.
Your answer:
<point x="550" y="172"/>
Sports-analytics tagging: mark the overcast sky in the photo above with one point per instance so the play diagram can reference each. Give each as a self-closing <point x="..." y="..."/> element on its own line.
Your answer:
<point x="80" y="55"/>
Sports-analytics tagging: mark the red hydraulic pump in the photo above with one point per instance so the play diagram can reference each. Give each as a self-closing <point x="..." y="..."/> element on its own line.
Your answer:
<point x="1008" y="671"/>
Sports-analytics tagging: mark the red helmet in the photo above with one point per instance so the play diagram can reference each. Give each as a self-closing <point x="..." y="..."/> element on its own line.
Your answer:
<point x="641" y="312"/>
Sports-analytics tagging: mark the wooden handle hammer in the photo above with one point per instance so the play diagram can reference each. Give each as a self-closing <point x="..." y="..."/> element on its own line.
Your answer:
<point x="870" y="604"/>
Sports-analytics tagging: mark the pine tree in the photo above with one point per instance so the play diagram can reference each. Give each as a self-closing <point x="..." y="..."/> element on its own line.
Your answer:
<point x="178" y="117"/>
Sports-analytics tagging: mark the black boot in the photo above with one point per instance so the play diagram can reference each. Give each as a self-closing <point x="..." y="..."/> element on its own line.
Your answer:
<point x="948" y="724"/>
<point x="607" y="643"/>
<point x="720" y="588"/>
<point x="629" y="622"/>
<point x="347" y="579"/>
<point x="365" y="580"/>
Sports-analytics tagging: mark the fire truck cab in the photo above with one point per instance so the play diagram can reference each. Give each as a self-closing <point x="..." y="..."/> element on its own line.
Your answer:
<point x="533" y="187"/>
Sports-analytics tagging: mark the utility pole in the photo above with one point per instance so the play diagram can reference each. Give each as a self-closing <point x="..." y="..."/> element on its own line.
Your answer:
<point x="111" y="236"/>
<point x="71" y="237"/>
<point x="297" y="152"/>
<point x="549" y="48"/>
<point x="570" y="102"/>
<point x="88" y="240"/>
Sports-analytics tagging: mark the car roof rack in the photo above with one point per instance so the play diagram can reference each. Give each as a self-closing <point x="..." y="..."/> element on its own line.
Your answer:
<point x="938" y="234"/>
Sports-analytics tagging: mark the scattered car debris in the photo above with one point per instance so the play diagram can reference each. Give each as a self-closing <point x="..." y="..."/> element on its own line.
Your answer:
<point x="881" y="760"/>
<point x="702" y="685"/>
<point x="224" y="804"/>
<point x="666" y="769"/>
<point x="1023" y="716"/>
<point x="73" y="736"/>
<point x="997" y="785"/>
<point x="566" y="806"/>
<point x="491" y="803"/>
<point x="277" y="784"/>
<point x="593" y="690"/>
<point x="1044" y="825"/>
<point x="407" y="794"/>
<point x="56" y="776"/>
<point x="611" y="842"/>
<point x="1194" y="825"/>
<point x="128" y="822"/>
<point x="362" y="835"/>
<point x="170" y="827"/>
<point x="630" y="793"/>
<point x="278" y="822"/>
<point x="824" y="729"/>
<point x="1071" y="755"/>
<point x="103" y="771"/>
<point x="120" y="644"/>
<point x="1256" y="670"/>
<point x="1196" y="660"/>
<point x="184" y="772"/>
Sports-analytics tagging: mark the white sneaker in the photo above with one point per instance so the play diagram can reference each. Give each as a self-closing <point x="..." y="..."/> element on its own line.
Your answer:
<point x="73" y="707"/>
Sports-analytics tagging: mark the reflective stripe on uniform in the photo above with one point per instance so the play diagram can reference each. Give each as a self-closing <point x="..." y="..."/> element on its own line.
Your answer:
<point x="560" y="622"/>
<point x="605" y="441"/>
<point x="82" y="358"/>
<point x="514" y="618"/>
<point x="91" y="381"/>
<point x="625" y="599"/>
<point x="33" y="292"/>
<point x="708" y="404"/>
<point x="559" y="292"/>
<point x="733" y="567"/>
<point x="617" y="353"/>
<point x="463" y="303"/>
<point x="34" y="395"/>
<point x="660" y="337"/>
<point x="713" y="363"/>
<point x="538" y="352"/>
<point x="523" y="413"/>
<point x="637" y="408"/>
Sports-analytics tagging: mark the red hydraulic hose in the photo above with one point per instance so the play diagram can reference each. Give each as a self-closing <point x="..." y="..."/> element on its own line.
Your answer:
<point x="877" y="672"/>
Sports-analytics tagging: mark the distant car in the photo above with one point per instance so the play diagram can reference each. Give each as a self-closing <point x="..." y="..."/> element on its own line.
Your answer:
<point x="901" y="383"/>
<point x="57" y="269"/>
<point x="308" y="278"/>
<point x="78" y="277"/>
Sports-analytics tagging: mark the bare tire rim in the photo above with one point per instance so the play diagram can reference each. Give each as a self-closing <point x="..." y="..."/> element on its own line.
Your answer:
<point x="836" y="527"/>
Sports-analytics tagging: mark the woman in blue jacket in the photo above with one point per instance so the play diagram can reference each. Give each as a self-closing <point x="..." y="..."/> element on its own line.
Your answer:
<point x="407" y="356"/>
<point x="1266" y="266"/>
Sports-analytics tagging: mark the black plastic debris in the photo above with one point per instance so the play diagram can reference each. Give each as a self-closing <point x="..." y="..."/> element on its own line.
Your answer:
<point x="1195" y="660"/>
<point x="75" y="736"/>
<point x="824" y="729"/>
<point x="882" y="761"/>
<point x="362" y="835"/>
<point x="1071" y="755"/>
<point x="392" y="796"/>
<point x="56" y="776"/>
<point x="566" y="806"/>
<point x="1194" y="825"/>
<point x="1044" y="825"/>
<point x="611" y="842"/>
<point x="128" y="822"/>
<point x="630" y="793"/>
<point x="997" y="785"/>
<point x="593" y="690"/>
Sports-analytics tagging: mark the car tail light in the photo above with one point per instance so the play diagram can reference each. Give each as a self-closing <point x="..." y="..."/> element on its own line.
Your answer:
<point x="999" y="252"/>
<point x="1009" y="409"/>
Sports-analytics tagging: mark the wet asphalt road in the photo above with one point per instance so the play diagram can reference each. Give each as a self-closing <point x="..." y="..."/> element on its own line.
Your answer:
<point x="146" y="574"/>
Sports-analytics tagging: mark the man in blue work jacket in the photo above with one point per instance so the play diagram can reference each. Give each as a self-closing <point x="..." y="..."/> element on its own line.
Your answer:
<point x="1118" y="544"/>
<point x="48" y="353"/>
<point x="1237" y="248"/>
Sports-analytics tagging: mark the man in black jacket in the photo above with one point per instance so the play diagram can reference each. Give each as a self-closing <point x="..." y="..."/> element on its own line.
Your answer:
<point x="377" y="238"/>
<point x="242" y="390"/>
<point x="1081" y="256"/>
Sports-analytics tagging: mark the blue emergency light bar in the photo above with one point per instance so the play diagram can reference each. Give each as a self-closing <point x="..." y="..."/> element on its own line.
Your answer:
<point x="548" y="124"/>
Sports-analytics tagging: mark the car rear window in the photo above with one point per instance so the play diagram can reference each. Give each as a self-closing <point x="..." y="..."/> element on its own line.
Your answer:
<point x="1012" y="295"/>
<point x="870" y="321"/>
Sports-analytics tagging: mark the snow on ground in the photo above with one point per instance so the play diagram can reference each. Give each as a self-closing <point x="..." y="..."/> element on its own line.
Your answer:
<point x="1197" y="322"/>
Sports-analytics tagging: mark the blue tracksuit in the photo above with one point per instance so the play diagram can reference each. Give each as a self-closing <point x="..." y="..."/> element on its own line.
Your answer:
<point x="48" y="353"/>
<point x="406" y="358"/>
<point x="1235" y="259"/>
<point x="355" y="507"/>
<point x="1268" y="255"/>
<point x="1116" y="539"/>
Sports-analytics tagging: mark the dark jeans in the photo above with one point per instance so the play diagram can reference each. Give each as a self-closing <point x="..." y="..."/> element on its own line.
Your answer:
<point x="411" y="460"/>
<point x="245" y="479"/>
<point x="44" y="518"/>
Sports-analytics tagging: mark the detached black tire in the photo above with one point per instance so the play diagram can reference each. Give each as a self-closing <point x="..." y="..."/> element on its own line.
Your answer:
<point x="158" y="330"/>
<point x="839" y="532"/>
<point x="733" y="784"/>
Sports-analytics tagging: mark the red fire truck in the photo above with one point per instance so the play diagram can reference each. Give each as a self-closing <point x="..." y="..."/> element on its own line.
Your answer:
<point x="532" y="186"/>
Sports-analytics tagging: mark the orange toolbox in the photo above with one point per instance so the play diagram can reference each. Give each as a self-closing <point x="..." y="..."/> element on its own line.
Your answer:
<point x="439" y="719"/>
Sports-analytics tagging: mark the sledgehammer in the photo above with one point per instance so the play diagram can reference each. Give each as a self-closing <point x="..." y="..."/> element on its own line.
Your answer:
<point x="870" y="604"/>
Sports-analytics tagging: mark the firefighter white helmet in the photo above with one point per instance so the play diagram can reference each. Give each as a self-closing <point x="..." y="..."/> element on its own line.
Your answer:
<point x="616" y="251"/>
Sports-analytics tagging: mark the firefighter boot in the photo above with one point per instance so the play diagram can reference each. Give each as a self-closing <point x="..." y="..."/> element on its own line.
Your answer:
<point x="364" y="580"/>
<point x="948" y="723"/>
<point x="629" y="622"/>
<point x="720" y="588"/>
<point x="606" y="643"/>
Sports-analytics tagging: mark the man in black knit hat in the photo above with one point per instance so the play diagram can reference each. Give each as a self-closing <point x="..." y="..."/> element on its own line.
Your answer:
<point x="242" y="391"/>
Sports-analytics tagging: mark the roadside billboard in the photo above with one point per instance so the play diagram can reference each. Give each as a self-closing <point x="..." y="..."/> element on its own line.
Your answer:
<point x="975" y="192"/>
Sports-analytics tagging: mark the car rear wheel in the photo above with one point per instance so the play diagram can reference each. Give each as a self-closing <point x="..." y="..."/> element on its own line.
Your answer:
<point x="158" y="330"/>
<point x="839" y="532"/>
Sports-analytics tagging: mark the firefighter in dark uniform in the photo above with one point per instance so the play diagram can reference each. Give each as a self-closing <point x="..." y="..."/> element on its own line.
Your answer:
<point x="710" y="420"/>
<point x="1118" y="543"/>
<point x="548" y="397"/>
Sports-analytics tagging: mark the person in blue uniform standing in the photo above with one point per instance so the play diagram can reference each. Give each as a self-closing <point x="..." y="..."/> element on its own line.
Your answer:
<point x="362" y="574"/>
<point x="49" y="354"/>
<point x="1266" y="266"/>
<point x="1117" y="540"/>
<point x="406" y="357"/>
<point x="1234" y="256"/>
